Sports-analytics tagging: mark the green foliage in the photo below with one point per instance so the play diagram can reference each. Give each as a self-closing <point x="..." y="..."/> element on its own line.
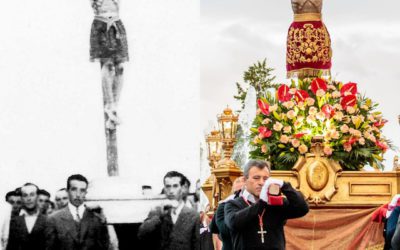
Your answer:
<point x="259" y="75"/>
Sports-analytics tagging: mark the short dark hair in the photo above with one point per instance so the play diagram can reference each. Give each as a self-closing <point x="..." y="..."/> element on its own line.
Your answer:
<point x="12" y="193"/>
<point x="18" y="191"/>
<point x="44" y="192"/>
<point x="77" y="177"/>
<point x="255" y="163"/>
<point x="146" y="187"/>
<point x="186" y="182"/>
<point x="62" y="189"/>
<point x="171" y="174"/>
<point x="31" y="184"/>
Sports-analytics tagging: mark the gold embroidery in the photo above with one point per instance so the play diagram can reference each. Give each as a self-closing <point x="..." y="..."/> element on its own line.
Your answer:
<point x="304" y="17"/>
<point x="308" y="45"/>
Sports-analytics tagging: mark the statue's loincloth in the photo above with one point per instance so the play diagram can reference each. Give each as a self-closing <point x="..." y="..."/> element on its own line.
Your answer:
<point x="308" y="47"/>
<point x="108" y="39"/>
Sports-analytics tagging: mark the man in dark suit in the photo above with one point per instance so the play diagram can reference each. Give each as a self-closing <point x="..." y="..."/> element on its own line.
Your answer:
<point x="75" y="227"/>
<point x="257" y="217"/>
<point x="174" y="224"/>
<point x="27" y="230"/>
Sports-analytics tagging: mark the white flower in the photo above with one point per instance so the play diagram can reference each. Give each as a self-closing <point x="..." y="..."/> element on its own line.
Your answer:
<point x="361" y="141"/>
<point x="338" y="116"/>
<point x="291" y="114"/>
<point x="288" y="104"/>
<point x="320" y="116"/>
<point x="344" y="128"/>
<point x="336" y="94"/>
<point x="278" y="126"/>
<point x="313" y="110"/>
<point x="287" y="129"/>
<point x="351" y="110"/>
<point x="266" y="121"/>
<point x="320" y="92"/>
<point x="337" y="106"/>
<point x="310" y="101"/>
<point x="292" y="91"/>
<point x="273" y="108"/>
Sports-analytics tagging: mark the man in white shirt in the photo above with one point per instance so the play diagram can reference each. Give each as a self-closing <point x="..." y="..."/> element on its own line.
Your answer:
<point x="27" y="229"/>
<point x="75" y="226"/>
<point x="5" y="216"/>
<point x="172" y="223"/>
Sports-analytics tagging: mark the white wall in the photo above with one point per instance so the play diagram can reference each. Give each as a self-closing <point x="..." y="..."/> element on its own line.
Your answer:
<point x="51" y="118"/>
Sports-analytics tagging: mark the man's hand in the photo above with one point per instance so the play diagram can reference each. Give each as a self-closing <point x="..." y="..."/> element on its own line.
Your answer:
<point x="271" y="187"/>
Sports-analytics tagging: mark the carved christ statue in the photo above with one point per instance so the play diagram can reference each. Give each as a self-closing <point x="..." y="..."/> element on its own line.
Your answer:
<point x="108" y="45"/>
<point x="308" y="43"/>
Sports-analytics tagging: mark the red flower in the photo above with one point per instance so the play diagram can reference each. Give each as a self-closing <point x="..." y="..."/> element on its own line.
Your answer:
<point x="318" y="83"/>
<point x="381" y="145"/>
<point x="348" y="101"/>
<point x="264" y="107"/>
<point x="301" y="95"/>
<point x="264" y="132"/>
<point x="283" y="93"/>
<point x="299" y="135"/>
<point x="380" y="123"/>
<point x="328" y="110"/>
<point x="349" y="87"/>
<point x="352" y="140"/>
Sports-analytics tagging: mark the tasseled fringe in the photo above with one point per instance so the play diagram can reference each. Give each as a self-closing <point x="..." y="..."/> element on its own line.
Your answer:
<point x="308" y="72"/>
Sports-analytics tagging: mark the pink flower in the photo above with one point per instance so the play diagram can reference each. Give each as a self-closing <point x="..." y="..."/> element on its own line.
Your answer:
<point x="303" y="149"/>
<point x="382" y="145"/>
<point x="327" y="150"/>
<point x="347" y="147"/>
<point x="291" y="114"/>
<point x="288" y="104"/>
<point x="284" y="139"/>
<point x="295" y="143"/>
<point x="310" y="101"/>
<point x="344" y="128"/>
<point x="264" y="148"/>
<point x="287" y="129"/>
<point x="278" y="126"/>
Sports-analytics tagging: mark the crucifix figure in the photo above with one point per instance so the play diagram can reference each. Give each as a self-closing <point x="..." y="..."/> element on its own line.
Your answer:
<point x="108" y="45"/>
<point x="262" y="232"/>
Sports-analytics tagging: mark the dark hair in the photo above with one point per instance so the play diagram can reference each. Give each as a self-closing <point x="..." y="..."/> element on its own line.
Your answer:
<point x="43" y="192"/>
<point x="31" y="184"/>
<point x="186" y="181"/>
<point x="171" y="174"/>
<point x="62" y="189"/>
<point x="18" y="191"/>
<point x="52" y="204"/>
<point x="254" y="163"/>
<point x="12" y="193"/>
<point x="77" y="177"/>
<point x="146" y="187"/>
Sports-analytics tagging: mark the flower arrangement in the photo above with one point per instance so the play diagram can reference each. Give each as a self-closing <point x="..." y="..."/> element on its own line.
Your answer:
<point x="287" y="120"/>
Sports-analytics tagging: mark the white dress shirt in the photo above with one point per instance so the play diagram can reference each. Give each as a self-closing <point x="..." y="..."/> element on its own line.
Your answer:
<point x="30" y="219"/>
<point x="249" y="196"/>
<point x="76" y="210"/>
<point x="5" y="217"/>
<point x="175" y="212"/>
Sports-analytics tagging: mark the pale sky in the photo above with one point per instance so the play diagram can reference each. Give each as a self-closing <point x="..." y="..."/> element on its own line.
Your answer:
<point x="51" y="123"/>
<point x="365" y="38"/>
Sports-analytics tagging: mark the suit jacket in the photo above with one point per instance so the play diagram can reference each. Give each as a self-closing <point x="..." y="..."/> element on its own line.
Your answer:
<point x="63" y="233"/>
<point x="20" y="238"/>
<point x="183" y="235"/>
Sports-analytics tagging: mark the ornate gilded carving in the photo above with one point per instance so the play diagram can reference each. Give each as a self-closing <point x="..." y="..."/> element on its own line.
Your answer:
<point x="308" y="45"/>
<point x="317" y="175"/>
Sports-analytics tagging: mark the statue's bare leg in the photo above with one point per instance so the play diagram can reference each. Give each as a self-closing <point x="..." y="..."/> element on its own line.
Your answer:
<point x="108" y="76"/>
<point x="118" y="81"/>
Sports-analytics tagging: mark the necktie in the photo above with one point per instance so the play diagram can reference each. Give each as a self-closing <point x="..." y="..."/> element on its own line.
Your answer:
<point x="78" y="218"/>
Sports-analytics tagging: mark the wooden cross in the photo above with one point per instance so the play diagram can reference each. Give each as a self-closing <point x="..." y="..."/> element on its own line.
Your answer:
<point x="262" y="232"/>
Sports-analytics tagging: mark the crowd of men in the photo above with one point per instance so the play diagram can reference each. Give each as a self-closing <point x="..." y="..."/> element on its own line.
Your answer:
<point x="32" y="221"/>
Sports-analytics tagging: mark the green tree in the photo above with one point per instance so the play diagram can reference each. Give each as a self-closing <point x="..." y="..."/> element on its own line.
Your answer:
<point x="259" y="76"/>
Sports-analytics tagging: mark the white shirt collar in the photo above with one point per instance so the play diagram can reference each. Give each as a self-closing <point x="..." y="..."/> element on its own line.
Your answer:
<point x="25" y="213"/>
<point x="72" y="209"/>
<point x="175" y="212"/>
<point x="248" y="196"/>
<point x="30" y="219"/>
